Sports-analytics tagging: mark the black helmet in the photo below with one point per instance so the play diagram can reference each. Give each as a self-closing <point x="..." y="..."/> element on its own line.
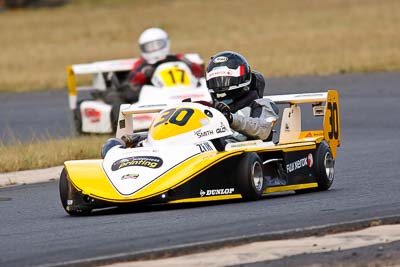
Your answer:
<point x="227" y="71"/>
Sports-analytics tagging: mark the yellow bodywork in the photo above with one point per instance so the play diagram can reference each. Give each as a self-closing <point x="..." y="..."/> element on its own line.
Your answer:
<point x="89" y="177"/>
<point x="332" y="121"/>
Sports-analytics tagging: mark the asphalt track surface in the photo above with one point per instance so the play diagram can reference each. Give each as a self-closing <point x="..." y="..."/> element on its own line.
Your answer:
<point x="35" y="230"/>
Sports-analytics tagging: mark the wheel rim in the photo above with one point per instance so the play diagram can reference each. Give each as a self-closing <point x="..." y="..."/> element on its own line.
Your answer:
<point x="257" y="176"/>
<point x="329" y="163"/>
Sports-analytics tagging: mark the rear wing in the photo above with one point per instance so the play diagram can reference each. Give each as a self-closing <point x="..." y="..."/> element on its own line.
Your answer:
<point x="324" y="104"/>
<point x="99" y="71"/>
<point x="125" y="119"/>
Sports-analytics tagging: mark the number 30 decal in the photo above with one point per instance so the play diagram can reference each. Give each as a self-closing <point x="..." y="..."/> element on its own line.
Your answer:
<point x="176" y="116"/>
<point x="333" y="120"/>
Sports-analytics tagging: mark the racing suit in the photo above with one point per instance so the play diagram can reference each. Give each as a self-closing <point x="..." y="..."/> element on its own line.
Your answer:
<point x="253" y="117"/>
<point x="255" y="121"/>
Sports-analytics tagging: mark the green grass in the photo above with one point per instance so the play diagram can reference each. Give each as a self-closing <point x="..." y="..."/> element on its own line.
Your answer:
<point x="279" y="38"/>
<point x="39" y="154"/>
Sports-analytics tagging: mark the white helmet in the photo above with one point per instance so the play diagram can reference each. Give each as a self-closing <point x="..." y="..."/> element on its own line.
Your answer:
<point x="154" y="45"/>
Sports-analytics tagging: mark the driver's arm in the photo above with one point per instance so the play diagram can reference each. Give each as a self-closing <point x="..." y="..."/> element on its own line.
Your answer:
<point x="259" y="125"/>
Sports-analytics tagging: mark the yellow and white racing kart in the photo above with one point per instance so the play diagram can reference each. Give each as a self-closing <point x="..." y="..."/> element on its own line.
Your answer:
<point x="189" y="156"/>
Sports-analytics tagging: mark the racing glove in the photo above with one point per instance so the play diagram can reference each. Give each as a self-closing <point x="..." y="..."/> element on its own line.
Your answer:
<point x="132" y="140"/>
<point x="225" y="110"/>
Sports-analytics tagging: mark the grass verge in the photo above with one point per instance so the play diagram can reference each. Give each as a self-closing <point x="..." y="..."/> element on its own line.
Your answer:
<point x="279" y="37"/>
<point x="43" y="154"/>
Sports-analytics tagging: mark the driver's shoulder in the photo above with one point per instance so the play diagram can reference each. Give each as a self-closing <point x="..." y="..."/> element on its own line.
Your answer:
<point x="267" y="104"/>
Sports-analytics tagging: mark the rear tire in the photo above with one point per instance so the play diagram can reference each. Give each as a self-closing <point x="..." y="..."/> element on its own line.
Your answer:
<point x="77" y="120"/>
<point x="114" y="114"/>
<point x="325" y="164"/>
<point x="65" y="186"/>
<point x="250" y="178"/>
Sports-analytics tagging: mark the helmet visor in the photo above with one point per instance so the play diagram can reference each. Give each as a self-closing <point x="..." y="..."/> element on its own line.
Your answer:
<point x="222" y="84"/>
<point x="154" y="46"/>
<point x="221" y="79"/>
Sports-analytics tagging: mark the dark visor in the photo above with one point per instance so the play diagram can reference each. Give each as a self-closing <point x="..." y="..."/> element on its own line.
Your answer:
<point x="222" y="84"/>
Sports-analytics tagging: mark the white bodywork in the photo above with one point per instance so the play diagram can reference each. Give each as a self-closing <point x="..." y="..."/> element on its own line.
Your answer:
<point x="96" y="117"/>
<point x="153" y="158"/>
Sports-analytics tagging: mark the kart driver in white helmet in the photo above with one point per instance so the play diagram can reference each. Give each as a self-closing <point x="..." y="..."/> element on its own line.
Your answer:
<point x="238" y="93"/>
<point x="155" y="50"/>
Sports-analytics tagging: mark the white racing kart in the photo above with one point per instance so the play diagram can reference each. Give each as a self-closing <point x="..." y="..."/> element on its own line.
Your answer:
<point x="171" y="83"/>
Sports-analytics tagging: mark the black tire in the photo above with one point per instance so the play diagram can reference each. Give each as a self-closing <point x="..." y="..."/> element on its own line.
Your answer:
<point x="64" y="187"/>
<point x="77" y="117"/>
<point x="77" y="120"/>
<point x="250" y="179"/>
<point x="114" y="114"/>
<point x="325" y="166"/>
<point x="324" y="178"/>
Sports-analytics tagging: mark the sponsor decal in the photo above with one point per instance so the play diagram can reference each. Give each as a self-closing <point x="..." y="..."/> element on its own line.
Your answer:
<point x="130" y="176"/>
<point x="298" y="164"/>
<point x="312" y="134"/>
<point x="243" y="144"/>
<point x="310" y="160"/>
<point x="221" y="129"/>
<point x="309" y="134"/>
<point x="220" y="59"/>
<point x="207" y="156"/>
<point x="219" y="73"/>
<point x="92" y="114"/>
<point x="143" y="117"/>
<point x="200" y="133"/>
<point x="202" y="193"/>
<point x="141" y="161"/>
<point x="225" y="71"/>
<point x="216" y="192"/>
<point x="192" y="96"/>
<point x="204" y="147"/>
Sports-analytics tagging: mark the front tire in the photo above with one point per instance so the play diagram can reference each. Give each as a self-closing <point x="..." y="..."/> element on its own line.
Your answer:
<point x="66" y="188"/>
<point x="250" y="178"/>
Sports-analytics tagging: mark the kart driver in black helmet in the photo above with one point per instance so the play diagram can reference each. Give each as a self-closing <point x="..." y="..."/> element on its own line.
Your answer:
<point x="238" y="94"/>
